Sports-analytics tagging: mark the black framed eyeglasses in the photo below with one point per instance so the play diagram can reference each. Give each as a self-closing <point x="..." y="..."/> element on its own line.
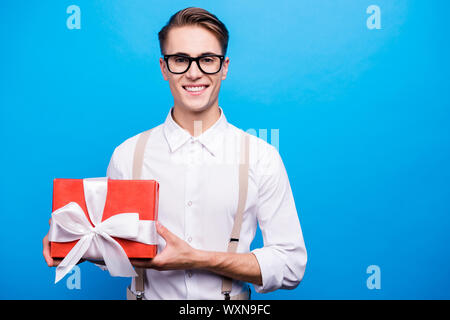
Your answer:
<point x="209" y="64"/>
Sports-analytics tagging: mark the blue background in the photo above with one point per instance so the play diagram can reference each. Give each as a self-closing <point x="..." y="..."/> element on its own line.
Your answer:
<point x="363" y="117"/>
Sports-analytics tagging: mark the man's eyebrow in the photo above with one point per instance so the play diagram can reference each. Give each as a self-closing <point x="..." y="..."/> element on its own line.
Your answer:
<point x="209" y="53"/>
<point x="181" y="54"/>
<point x="202" y="54"/>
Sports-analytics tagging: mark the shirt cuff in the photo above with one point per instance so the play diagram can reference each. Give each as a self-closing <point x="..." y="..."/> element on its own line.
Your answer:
<point x="271" y="265"/>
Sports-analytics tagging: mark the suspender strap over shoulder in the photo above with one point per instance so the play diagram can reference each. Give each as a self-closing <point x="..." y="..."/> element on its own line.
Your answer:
<point x="138" y="162"/>
<point x="238" y="218"/>
<point x="139" y="151"/>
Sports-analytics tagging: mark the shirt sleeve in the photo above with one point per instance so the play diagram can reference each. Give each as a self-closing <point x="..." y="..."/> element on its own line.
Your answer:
<point x="282" y="260"/>
<point x="113" y="172"/>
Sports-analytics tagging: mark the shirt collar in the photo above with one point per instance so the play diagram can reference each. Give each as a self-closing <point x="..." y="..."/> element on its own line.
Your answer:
<point x="176" y="136"/>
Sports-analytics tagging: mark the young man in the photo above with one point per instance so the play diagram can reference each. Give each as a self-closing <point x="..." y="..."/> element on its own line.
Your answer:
<point x="193" y="157"/>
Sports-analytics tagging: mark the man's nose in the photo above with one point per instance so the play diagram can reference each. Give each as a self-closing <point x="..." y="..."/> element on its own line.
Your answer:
<point x="194" y="72"/>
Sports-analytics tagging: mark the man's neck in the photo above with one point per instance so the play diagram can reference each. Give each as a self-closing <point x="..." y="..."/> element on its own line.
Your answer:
<point x="196" y="122"/>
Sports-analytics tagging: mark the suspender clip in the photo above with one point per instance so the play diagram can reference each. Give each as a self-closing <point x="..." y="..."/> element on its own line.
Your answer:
<point x="139" y="295"/>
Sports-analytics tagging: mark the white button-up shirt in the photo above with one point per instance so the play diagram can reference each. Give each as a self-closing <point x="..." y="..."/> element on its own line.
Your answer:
<point x="198" y="198"/>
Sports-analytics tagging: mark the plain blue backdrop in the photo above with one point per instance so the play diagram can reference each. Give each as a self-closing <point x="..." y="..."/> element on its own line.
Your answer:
<point x="363" y="119"/>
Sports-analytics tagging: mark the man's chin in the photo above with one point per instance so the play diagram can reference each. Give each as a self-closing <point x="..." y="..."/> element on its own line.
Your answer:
<point x="196" y="108"/>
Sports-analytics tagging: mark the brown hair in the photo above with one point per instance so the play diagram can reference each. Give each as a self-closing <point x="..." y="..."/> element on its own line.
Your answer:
<point x="197" y="17"/>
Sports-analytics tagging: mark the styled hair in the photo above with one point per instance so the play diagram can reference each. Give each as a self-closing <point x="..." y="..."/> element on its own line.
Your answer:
<point x="195" y="17"/>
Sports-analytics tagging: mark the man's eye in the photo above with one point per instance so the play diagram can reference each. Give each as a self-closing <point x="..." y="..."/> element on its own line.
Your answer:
<point x="180" y="60"/>
<point x="207" y="60"/>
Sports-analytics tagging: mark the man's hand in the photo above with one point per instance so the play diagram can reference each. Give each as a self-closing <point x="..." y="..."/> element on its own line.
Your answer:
<point x="176" y="255"/>
<point x="46" y="252"/>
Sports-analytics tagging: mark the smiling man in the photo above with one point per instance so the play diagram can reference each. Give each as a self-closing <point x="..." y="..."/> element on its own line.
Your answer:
<point x="217" y="183"/>
<point x="199" y="195"/>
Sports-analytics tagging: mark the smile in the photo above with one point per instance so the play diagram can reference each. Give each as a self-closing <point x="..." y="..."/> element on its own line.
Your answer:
<point x="195" y="90"/>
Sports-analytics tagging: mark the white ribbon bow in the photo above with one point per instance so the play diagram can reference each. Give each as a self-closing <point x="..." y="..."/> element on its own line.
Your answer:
<point x="69" y="223"/>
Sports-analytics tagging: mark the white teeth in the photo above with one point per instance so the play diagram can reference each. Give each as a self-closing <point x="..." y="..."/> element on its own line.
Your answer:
<point x="195" y="88"/>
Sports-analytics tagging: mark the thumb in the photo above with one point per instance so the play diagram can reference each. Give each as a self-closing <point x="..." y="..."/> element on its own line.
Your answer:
<point x="163" y="231"/>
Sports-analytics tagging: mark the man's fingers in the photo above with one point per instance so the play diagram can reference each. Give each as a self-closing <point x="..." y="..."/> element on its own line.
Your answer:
<point x="160" y="229"/>
<point x="56" y="262"/>
<point x="141" y="263"/>
<point x="48" y="260"/>
<point x="46" y="251"/>
<point x="163" y="231"/>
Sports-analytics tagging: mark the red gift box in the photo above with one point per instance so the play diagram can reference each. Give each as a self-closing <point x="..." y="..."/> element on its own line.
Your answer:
<point x="139" y="196"/>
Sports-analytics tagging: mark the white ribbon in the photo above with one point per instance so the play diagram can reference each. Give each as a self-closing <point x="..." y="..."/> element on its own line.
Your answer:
<point x="70" y="223"/>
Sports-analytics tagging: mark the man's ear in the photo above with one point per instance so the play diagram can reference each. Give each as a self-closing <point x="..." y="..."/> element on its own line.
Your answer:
<point x="226" y="63"/>
<point x="164" y="71"/>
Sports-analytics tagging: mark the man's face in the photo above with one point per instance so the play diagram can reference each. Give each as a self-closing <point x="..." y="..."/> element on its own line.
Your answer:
<point x="193" y="41"/>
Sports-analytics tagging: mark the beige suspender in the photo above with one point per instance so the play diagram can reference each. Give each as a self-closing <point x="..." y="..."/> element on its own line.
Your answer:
<point x="243" y="189"/>
<point x="138" y="162"/>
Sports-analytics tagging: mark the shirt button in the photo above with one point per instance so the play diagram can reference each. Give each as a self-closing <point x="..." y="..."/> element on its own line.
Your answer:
<point x="190" y="203"/>
<point x="190" y="274"/>
<point x="190" y="239"/>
